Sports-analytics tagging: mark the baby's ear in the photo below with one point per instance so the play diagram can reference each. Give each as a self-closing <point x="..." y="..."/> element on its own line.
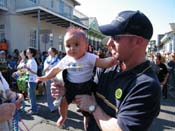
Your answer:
<point x="86" y="47"/>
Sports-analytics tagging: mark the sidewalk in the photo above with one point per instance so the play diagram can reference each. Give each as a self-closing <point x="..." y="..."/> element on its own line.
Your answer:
<point x="46" y="121"/>
<point x="166" y="118"/>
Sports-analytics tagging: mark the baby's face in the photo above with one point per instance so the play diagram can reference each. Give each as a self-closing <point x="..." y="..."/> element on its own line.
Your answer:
<point x="75" y="46"/>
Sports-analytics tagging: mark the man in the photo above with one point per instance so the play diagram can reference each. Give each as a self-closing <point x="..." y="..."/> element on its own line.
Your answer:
<point x="162" y="74"/>
<point x="128" y="100"/>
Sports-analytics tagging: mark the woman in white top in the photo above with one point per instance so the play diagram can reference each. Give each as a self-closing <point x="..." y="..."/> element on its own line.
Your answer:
<point x="21" y="83"/>
<point x="23" y="60"/>
<point x="32" y="68"/>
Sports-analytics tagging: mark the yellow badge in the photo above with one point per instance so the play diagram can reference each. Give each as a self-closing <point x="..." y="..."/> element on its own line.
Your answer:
<point x="118" y="93"/>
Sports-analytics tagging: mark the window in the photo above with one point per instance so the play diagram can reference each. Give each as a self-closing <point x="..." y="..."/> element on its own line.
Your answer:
<point x="2" y="32"/>
<point x="33" y="39"/>
<point x="2" y="2"/>
<point x="61" y="7"/>
<point x="68" y="11"/>
<point x="34" y="1"/>
<point x="52" y="3"/>
<point x="60" y="43"/>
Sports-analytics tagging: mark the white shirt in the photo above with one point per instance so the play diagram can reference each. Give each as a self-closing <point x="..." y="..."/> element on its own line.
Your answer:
<point x="50" y="62"/>
<point x="80" y="70"/>
<point x="31" y="63"/>
<point x="21" y="64"/>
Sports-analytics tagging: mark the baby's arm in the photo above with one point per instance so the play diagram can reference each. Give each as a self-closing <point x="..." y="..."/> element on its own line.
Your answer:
<point x="52" y="73"/>
<point x="106" y="62"/>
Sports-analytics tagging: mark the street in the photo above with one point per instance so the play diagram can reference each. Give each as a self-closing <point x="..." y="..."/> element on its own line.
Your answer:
<point x="46" y="121"/>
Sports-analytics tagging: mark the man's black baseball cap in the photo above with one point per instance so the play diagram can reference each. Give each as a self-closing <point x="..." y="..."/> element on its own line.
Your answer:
<point x="129" y="22"/>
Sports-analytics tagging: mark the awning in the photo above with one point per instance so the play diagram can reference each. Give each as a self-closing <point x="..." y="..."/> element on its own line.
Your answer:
<point x="3" y="9"/>
<point x="51" y="17"/>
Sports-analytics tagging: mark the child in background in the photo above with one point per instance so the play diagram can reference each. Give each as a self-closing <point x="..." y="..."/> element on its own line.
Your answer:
<point x="79" y="65"/>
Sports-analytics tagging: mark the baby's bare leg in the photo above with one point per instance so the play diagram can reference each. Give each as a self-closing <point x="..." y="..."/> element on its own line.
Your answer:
<point x="85" y="122"/>
<point x="63" y="112"/>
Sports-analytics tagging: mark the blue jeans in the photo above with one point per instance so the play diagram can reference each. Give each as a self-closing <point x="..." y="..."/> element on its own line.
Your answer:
<point x="32" y="95"/>
<point x="50" y="99"/>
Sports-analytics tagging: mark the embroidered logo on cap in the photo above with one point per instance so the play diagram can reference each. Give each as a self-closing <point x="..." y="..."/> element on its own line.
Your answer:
<point x="118" y="93"/>
<point x="120" y="19"/>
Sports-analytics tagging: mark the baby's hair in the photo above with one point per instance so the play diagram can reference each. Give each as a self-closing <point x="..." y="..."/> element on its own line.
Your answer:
<point x="77" y="31"/>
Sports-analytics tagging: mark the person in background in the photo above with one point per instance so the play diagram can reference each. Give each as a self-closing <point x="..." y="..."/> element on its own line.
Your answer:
<point x="162" y="73"/>
<point x="12" y="63"/>
<point x="51" y="61"/>
<point x="171" y="79"/>
<point x="23" y="59"/>
<point x="21" y="75"/>
<point x="126" y="100"/>
<point x="15" y="54"/>
<point x="4" y="65"/>
<point x="32" y="68"/>
<point x="9" y="102"/>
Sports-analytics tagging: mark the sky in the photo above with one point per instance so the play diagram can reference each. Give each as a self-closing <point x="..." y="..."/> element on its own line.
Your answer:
<point x="160" y="12"/>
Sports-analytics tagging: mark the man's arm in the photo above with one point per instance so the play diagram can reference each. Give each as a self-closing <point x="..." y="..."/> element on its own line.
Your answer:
<point x="7" y="111"/>
<point x="104" y="121"/>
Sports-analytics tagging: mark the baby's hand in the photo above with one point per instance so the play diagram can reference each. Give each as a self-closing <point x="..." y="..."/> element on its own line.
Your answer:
<point x="113" y="61"/>
<point x="41" y="79"/>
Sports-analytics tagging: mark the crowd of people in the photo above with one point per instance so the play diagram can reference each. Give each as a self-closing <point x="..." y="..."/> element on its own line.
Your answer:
<point x="121" y="92"/>
<point x="164" y="66"/>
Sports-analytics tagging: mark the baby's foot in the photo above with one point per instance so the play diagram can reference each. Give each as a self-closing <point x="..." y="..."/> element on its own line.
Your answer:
<point x="60" y="121"/>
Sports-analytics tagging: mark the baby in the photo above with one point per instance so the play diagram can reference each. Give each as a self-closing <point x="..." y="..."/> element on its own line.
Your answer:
<point x="78" y="66"/>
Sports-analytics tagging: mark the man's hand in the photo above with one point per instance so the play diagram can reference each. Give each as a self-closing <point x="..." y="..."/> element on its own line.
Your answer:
<point x="57" y="88"/>
<point x="84" y="101"/>
<point x="41" y="79"/>
<point x="7" y="110"/>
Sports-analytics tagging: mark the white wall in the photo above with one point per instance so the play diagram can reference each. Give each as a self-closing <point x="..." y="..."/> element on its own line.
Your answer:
<point x="20" y="27"/>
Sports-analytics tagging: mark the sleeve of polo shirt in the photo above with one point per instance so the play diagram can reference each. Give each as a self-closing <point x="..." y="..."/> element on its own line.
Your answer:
<point x="140" y="106"/>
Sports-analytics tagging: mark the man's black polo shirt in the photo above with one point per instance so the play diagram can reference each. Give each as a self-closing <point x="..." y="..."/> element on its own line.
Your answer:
<point x="133" y="97"/>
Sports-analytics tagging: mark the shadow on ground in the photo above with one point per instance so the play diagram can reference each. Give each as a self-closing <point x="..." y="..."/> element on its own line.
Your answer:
<point x="165" y="122"/>
<point x="74" y="119"/>
<point x="162" y="125"/>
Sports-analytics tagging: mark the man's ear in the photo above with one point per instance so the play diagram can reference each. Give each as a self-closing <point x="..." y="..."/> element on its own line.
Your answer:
<point x="87" y="46"/>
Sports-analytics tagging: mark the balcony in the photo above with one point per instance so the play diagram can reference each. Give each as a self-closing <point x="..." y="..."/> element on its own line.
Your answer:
<point x="54" y="12"/>
<point x="3" y="5"/>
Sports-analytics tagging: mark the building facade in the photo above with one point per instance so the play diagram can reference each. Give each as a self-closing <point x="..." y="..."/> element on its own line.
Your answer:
<point x="95" y="37"/>
<point x="167" y="43"/>
<point x="38" y="23"/>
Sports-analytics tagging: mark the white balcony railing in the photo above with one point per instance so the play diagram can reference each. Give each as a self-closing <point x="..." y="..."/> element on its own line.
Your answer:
<point x="54" y="6"/>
